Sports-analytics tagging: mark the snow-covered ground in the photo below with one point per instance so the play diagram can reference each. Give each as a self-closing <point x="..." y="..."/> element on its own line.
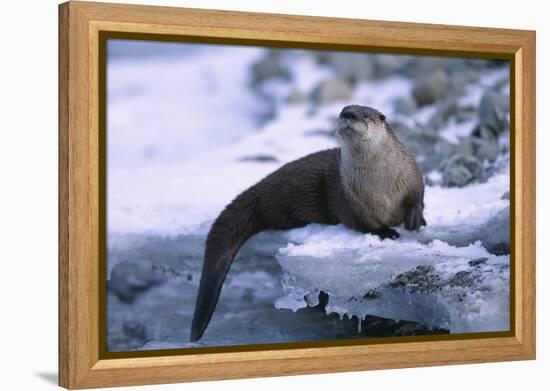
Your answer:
<point x="187" y="132"/>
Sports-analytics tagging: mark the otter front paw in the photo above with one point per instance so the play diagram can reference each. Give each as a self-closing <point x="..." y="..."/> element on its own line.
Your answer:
<point x="386" y="233"/>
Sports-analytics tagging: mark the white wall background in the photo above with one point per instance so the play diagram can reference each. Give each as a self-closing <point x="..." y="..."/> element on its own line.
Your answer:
<point x="28" y="199"/>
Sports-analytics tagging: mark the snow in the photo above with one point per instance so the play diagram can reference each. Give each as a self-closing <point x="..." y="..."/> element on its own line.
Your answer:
<point x="468" y="206"/>
<point x="154" y="116"/>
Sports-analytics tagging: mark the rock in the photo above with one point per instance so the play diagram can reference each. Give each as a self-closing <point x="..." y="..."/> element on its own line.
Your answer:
<point x="412" y="328"/>
<point x="465" y="113"/>
<point x="332" y="90"/>
<point x="440" y="151"/>
<point x="351" y="67"/>
<point x="484" y="142"/>
<point x="485" y="149"/>
<point x="391" y="64"/>
<point x="444" y="149"/>
<point x="445" y="110"/>
<point x="497" y="233"/>
<point x="259" y="159"/>
<point x="425" y="145"/>
<point x="460" y="78"/>
<point x="425" y="268"/>
<point x="431" y="88"/>
<point x="460" y="170"/>
<point x="134" y="330"/>
<point x="129" y="279"/>
<point x="418" y="140"/>
<point x="493" y="111"/>
<point x="457" y="177"/>
<point x="426" y="65"/>
<point x="505" y="196"/>
<point x="478" y="261"/>
<point x="422" y="279"/>
<point x="462" y="71"/>
<point x="374" y="326"/>
<point x="465" y="146"/>
<point x="270" y="67"/>
<point x="405" y="106"/>
<point x="296" y="96"/>
<point x="464" y="278"/>
<point x="372" y="294"/>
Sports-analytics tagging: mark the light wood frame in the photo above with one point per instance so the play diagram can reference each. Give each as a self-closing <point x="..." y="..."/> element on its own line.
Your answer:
<point x="80" y="24"/>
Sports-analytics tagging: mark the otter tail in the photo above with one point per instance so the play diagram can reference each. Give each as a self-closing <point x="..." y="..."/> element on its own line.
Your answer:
<point x="237" y="223"/>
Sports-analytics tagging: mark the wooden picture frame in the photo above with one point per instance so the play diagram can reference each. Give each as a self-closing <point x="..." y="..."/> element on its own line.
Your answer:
<point x="82" y="360"/>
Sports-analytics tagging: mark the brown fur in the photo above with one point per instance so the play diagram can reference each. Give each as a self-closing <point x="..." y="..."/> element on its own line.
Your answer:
<point x="370" y="184"/>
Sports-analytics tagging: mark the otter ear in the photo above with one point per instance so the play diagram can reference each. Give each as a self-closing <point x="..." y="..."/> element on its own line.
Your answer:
<point x="382" y="117"/>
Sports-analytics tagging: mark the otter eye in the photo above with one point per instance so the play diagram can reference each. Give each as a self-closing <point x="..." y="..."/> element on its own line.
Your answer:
<point x="382" y="117"/>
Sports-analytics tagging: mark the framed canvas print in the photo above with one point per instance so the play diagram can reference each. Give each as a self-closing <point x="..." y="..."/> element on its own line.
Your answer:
<point x="248" y="195"/>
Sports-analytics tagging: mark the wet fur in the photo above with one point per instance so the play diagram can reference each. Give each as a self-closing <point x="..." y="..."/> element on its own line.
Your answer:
<point x="369" y="184"/>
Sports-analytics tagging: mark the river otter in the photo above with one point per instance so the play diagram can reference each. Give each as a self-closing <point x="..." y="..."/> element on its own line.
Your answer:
<point x="369" y="184"/>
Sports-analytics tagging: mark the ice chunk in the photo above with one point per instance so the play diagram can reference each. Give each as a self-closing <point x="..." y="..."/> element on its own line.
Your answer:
<point x="364" y="275"/>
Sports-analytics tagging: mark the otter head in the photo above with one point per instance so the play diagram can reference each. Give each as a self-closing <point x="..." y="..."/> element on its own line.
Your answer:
<point x="361" y="127"/>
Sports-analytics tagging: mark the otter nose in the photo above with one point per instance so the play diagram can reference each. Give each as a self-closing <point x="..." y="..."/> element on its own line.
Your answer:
<point x="348" y="113"/>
